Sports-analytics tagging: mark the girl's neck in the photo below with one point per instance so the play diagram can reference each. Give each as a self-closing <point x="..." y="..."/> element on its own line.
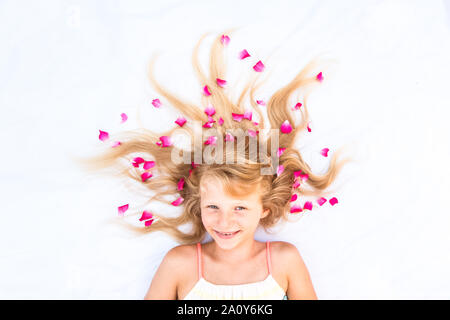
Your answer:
<point x="235" y="256"/>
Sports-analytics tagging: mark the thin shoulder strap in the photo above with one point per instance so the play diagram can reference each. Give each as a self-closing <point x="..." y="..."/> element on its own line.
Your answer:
<point x="199" y="260"/>
<point x="269" y="265"/>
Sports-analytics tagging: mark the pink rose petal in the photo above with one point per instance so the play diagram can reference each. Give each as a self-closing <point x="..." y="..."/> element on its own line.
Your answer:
<point x="280" y="170"/>
<point x="190" y="172"/>
<point x="208" y="124"/>
<point x="298" y="105"/>
<point x="248" y="115"/>
<point x="324" y="152"/>
<point x="137" y="161"/>
<point x="296" y="208"/>
<point x="259" y="66"/>
<point x="103" y="135"/>
<point x="210" y="111"/>
<point x="221" y="121"/>
<point x="260" y="102"/>
<point x="321" y="201"/>
<point x="229" y="137"/>
<point x="309" y="129"/>
<point x="280" y="151"/>
<point x="296" y="184"/>
<point x="149" y="165"/>
<point x="194" y="165"/>
<point x="122" y="209"/>
<point x="146" y="215"/>
<point x="206" y="91"/>
<point x="180" y="121"/>
<point x="304" y="177"/>
<point x="158" y="143"/>
<point x="225" y="40"/>
<point x="319" y="77"/>
<point x="221" y="83"/>
<point x="156" y="103"/>
<point x="146" y="175"/>
<point x="286" y="127"/>
<point x="178" y="201"/>
<point x="307" y="205"/>
<point x="243" y="54"/>
<point x="124" y="117"/>
<point x="166" y="142"/>
<point x="333" y="201"/>
<point x="252" y="133"/>
<point x="115" y="144"/>
<point x="148" y="223"/>
<point x="294" y="197"/>
<point x="237" y="117"/>
<point x="211" y="140"/>
<point x="180" y="184"/>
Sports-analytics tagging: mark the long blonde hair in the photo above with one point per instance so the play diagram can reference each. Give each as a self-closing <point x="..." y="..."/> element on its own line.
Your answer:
<point x="277" y="189"/>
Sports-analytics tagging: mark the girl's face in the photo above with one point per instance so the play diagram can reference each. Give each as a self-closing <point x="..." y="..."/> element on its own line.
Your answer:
<point x="229" y="220"/>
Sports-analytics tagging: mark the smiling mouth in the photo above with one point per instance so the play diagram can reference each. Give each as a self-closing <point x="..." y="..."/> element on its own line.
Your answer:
<point x="226" y="235"/>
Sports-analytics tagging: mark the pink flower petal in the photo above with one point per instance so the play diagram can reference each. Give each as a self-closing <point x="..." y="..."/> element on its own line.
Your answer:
<point x="180" y="121"/>
<point x="297" y="173"/>
<point x="237" y="117"/>
<point x="294" y="197"/>
<point x="324" y="152"/>
<point x="243" y="54"/>
<point x="158" y="143"/>
<point x="166" y="142"/>
<point x="208" y="125"/>
<point x="156" y="103"/>
<point x="280" y="170"/>
<point x="210" y="111"/>
<point x="124" y="117"/>
<point x="280" y="151"/>
<point x="103" y="135"/>
<point x="225" y="40"/>
<point x="319" y="77"/>
<point x="137" y="161"/>
<point x="252" y="133"/>
<point x="211" y="140"/>
<point x="229" y="137"/>
<point x="180" y="184"/>
<point x="321" y="201"/>
<point x="221" y="121"/>
<point x="248" y="115"/>
<point x="304" y="177"/>
<point x="122" y="209"/>
<point x="178" y="201"/>
<point x="148" y="223"/>
<point x="309" y="129"/>
<point x="194" y="165"/>
<point x="286" y="127"/>
<point x="296" y="184"/>
<point x="115" y="144"/>
<point x="333" y="201"/>
<point x="298" y="105"/>
<point x="146" y="175"/>
<point x="307" y="205"/>
<point x="221" y="83"/>
<point x="296" y="208"/>
<point x="190" y="172"/>
<point x="149" y="165"/>
<point x="146" y="215"/>
<point x="259" y="66"/>
<point x="206" y="91"/>
<point x="260" y="102"/>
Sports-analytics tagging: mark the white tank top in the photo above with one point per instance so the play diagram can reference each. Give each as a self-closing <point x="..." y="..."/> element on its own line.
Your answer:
<point x="267" y="289"/>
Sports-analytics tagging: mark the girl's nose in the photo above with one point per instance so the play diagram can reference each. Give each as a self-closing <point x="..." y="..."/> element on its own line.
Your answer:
<point x="225" y="220"/>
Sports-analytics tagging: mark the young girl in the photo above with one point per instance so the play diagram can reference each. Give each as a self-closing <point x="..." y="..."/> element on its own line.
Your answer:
<point x="227" y="185"/>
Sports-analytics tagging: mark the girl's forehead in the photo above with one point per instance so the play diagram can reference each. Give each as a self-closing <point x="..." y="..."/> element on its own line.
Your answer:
<point x="211" y="187"/>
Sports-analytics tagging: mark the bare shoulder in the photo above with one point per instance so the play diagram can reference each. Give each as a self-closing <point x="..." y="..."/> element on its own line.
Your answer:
<point x="170" y="272"/>
<point x="298" y="278"/>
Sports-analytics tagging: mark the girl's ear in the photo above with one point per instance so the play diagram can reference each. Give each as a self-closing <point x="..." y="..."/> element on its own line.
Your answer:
<point x="265" y="213"/>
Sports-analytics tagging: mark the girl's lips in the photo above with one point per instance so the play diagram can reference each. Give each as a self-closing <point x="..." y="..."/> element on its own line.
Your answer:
<point x="223" y="236"/>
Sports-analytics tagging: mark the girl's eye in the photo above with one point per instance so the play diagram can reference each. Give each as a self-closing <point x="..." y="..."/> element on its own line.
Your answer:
<point x="243" y="208"/>
<point x="212" y="206"/>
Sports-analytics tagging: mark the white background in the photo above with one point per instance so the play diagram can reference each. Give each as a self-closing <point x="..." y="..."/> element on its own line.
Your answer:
<point x="70" y="68"/>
